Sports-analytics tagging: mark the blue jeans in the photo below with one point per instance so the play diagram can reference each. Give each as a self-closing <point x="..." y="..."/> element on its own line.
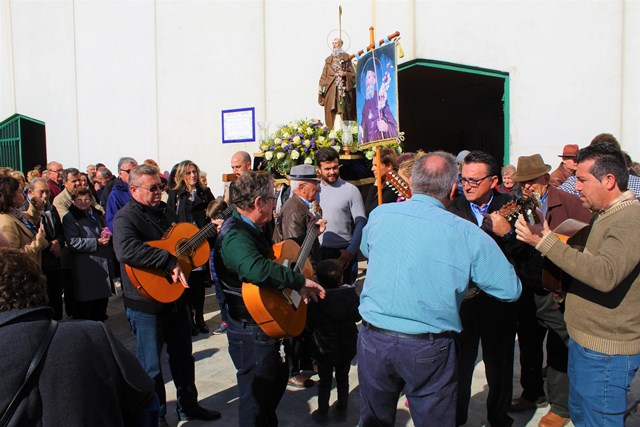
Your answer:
<point x="262" y="374"/>
<point x="598" y="386"/>
<point x="152" y="331"/>
<point x="424" y="368"/>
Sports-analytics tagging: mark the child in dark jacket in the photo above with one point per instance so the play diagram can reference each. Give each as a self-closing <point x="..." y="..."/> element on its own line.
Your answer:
<point x="333" y="321"/>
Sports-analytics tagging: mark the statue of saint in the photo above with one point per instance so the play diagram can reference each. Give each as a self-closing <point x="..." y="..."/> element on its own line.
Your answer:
<point x="336" y="88"/>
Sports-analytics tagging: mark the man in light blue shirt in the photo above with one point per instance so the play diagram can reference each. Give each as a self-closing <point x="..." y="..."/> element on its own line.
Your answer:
<point x="421" y="259"/>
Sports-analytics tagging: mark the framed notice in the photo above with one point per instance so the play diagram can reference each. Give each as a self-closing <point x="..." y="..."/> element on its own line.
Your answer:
<point x="238" y="125"/>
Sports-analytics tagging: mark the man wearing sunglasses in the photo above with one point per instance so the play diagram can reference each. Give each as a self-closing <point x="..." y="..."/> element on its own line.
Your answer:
<point x="145" y="217"/>
<point x="484" y="318"/>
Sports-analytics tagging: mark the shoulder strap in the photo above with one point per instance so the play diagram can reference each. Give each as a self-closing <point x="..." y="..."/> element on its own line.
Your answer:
<point x="32" y="373"/>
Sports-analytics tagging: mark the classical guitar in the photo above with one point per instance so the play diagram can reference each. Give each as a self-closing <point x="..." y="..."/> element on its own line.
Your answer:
<point x="574" y="233"/>
<point x="282" y="313"/>
<point x="398" y="184"/>
<point x="186" y="242"/>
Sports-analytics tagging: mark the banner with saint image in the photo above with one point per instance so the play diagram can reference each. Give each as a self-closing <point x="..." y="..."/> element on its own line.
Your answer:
<point x="377" y="95"/>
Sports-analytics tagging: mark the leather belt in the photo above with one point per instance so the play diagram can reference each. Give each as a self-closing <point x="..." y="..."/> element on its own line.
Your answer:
<point x="423" y="337"/>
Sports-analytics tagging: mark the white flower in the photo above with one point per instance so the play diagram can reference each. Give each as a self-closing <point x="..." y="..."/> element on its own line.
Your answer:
<point x="308" y="161"/>
<point x="277" y="141"/>
<point x="369" y="154"/>
<point x="295" y="154"/>
<point x="284" y="145"/>
<point x="332" y="134"/>
<point x="296" y="139"/>
<point x="321" y="138"/>
<point x="306" y="143"/>
<point x="286" y="135"/>
<point x="309" y="131"/>
<point x="268" y="155"/>
<point x="279" y="155"/>
<point x="336" y="147"/>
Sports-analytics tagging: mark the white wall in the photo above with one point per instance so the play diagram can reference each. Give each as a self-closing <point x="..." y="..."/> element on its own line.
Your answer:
<point x="149" y="79"/>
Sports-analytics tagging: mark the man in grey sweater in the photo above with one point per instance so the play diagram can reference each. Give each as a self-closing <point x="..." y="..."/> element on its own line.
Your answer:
<point x="343" y="208"/>
<point x="601" y="305"/>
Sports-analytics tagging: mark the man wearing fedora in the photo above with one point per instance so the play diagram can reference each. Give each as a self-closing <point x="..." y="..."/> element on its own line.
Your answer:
<point x="567" y="167"/>
<point x="533" y="176"/>
<point x="299" y="213"/>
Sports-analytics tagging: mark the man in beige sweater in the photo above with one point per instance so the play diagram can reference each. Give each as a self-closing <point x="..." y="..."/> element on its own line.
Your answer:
<point x="602" y="315"/>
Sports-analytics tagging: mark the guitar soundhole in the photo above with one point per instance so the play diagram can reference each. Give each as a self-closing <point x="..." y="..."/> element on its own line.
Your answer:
<point x="184" y="250"/>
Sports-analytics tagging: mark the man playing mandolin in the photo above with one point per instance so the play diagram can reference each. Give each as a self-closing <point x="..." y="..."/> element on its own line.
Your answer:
<point x="242" y="254"/>
<point x="145" y="217"/>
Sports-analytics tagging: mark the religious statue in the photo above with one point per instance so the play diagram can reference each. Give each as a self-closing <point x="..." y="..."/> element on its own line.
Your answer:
<point x="336" y="88"/>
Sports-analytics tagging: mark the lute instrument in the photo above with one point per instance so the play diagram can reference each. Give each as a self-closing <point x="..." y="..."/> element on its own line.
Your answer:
<point x="398" y="184"/>
<point x="189" y="245"/>
<point x="283" y="313"/>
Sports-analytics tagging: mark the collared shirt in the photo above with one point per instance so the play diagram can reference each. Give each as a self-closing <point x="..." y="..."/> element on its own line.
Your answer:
<point x="479" y="210"/>
<point x="421" y="259"/>
<point x="570" y="183"/>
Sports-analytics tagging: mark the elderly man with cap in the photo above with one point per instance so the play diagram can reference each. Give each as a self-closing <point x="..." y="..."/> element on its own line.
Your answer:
<point x="540" y="306"/>
<point x="300" y="212"/>
<point x="567" y="167"/>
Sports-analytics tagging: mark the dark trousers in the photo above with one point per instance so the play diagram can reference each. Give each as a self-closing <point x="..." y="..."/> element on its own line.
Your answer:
<point x="261" y="373"/>
<point x="493" y="323"/>
<point x="91" y="310"/>
<point x="196" y="292"/>
<point x="69" y="294"/>
<point x="424" y="368"/>
<point x="172" y="328"/>
<point x="550" y="313"/>
<point x="299" y="352"/>
<point x="325" y="373"/>
<point x="55" y="288"/>
<point x="224" y="313"/>
<point x="530" y="340"/>
<point x="350" y="274"/>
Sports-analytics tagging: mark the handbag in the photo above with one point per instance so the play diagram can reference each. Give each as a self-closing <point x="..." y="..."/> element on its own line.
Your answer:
<point x="32" y="373"/>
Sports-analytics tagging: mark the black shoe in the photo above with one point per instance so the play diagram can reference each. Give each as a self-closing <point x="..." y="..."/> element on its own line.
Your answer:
<point x="194" y="330"/>
<point x="202" y="327"/>
<point x="321" y="418"/>
<point x="162" y="422"/>
<point x="199" y="413"/>
<point x="341" y="412"/>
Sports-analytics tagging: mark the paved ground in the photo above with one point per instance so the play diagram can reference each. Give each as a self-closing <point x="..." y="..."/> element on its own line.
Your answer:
<point x="215" y="379"/>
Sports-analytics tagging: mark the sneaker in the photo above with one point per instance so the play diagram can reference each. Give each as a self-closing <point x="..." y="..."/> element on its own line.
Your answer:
<point x="222" y="329"/>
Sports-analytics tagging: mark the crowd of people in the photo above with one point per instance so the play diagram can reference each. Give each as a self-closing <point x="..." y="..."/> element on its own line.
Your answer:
<point x="461" y="253"/>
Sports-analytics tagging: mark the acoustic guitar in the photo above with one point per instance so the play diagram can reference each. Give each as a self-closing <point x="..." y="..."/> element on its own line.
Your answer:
<point x="186" y="242"/>
<point x="398" y="184"/>
<point x="574" y="233"/>
<point x="282" y="313"/>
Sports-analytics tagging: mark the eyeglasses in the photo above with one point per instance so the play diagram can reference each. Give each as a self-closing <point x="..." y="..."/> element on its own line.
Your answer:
<point x="154" y="188"/>
<point x="473" y="183"/>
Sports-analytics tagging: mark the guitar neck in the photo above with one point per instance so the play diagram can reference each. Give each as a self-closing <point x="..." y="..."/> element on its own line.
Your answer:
<point x="305" y="250"/>
<point x="205" y="232"/>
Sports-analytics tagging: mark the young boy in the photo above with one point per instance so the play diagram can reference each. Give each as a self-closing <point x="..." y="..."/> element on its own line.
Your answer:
<point x="333" y="321"/>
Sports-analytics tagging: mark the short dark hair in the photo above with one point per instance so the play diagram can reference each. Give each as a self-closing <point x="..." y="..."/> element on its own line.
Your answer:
<point x="69" y="171"/>
<point x="81" y="192"/>
<point x="607" y="160"/>
<point x="326" y="154"/>
<point x="605" y="138"/>
<point x="389" y="157"/>
<point x="8" y="187"/>
<point x="477" y="156"/>
<point x="250" y="185"/>
<point x="22" y="284"/>
<point x="216" y="207"/>
<point x="329" y="272"/>
<point x="105" y="173"/>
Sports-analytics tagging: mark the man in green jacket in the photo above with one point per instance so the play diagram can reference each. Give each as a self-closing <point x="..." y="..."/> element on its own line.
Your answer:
<point x="242" y="254"/>
<point x="601" y="314"/>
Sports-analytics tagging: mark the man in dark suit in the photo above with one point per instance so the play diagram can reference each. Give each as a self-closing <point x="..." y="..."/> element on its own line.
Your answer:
<point x="484" y="318"/>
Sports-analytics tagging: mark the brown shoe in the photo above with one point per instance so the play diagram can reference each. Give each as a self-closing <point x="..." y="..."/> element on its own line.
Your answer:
<point x="521" y="404"/>
<point x="299" y="381"/>
<point x="553" y="420"/>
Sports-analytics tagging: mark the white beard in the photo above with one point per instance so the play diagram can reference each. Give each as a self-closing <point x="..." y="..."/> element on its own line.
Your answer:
<point x="370" y="92"/>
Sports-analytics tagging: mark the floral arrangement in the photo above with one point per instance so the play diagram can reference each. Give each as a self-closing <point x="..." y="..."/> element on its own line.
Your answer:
<point x="296" y="143"/>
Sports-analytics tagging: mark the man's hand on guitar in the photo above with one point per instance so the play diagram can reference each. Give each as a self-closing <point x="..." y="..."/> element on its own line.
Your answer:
<point x="322" y="225"/>
<point x="177" y="275"/>
<point x="312" y="290"/>
<point x="496" y="223"/>
<point x="531" y="234"/>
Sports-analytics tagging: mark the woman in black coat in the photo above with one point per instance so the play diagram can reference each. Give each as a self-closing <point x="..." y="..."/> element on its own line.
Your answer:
<point x="190" y="199"/>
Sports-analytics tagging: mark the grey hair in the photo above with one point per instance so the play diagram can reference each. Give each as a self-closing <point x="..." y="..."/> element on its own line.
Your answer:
<point x="125" y="160"/>
<point x="294" y="185"/>
<point x="105" y="172"/>
<point x="250" y="185"/>
<point x="434" y="174"/>
<point x="140" y="170"/>
<point x="32" y="184"/>
<point x="508" y="168"/>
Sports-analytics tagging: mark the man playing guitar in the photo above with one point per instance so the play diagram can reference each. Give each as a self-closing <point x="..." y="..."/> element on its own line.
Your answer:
<point x="243" y="255"/>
